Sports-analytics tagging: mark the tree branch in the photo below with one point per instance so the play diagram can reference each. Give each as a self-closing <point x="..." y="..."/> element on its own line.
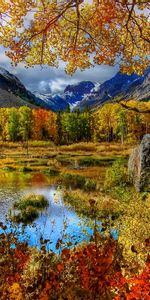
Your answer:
<point x="142" y="111"/>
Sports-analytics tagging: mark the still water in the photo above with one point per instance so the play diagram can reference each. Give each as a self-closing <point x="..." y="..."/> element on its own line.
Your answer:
<point x="58" y="221"/>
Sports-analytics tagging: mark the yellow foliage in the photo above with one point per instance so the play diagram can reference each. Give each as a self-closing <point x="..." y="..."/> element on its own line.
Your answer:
<point x="73" y="30"/>
<point x="15" y="292"/>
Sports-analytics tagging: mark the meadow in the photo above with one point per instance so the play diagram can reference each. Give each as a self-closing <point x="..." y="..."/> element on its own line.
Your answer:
<point x="72" y="224"/>
<point x="104" y="223"/>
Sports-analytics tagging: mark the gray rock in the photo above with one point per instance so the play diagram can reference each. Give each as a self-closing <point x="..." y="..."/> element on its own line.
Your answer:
<point x="139" y="165"/>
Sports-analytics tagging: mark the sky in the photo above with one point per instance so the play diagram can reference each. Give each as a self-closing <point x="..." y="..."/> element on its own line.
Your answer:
<point x="52" y="80"/>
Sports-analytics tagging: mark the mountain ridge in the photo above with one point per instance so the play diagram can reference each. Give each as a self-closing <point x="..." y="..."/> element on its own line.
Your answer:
<point x="83" y="94"/>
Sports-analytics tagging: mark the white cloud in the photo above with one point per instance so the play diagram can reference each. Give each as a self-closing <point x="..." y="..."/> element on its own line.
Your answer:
<point x="59" y="84"/>
<point x="44" y="87"/>
<point x="47" y="79"/>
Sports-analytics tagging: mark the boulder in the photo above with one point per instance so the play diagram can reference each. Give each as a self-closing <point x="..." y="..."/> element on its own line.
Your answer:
<point x="139" y="165"/>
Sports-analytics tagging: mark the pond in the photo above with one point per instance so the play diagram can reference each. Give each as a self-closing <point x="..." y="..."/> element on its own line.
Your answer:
<point x="57" y="222"/>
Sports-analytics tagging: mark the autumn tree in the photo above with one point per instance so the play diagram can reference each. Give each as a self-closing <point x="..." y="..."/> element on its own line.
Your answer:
<point x="112" y="122"/>
<point x="79" y="32"/>
<point x="138" y="124"/>
<point x="58" y="137"/>
<point x="43" y="124"/>
<point x="3" y="123"/>
<point x="12" y="125"/>
<point x="106" y="121"/>
<point x="75" y="126"/>
<point x="122" y="124"/>
<point x="25" y="124"/>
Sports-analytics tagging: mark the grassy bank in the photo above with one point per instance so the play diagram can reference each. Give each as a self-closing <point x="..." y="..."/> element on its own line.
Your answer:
<point x="84" y="159"/>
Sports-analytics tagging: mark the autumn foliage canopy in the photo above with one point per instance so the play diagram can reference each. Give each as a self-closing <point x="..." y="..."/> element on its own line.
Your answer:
<point x="79" y="32"/>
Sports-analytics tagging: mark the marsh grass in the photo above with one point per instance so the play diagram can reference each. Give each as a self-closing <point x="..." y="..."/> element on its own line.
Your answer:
<point x="41" y="144"/>
<point x="28" y="215"/>
<point x="78" y="181"/>
<point x="42" y="154"/>
<point x="9" y="169"/>
<point x="91" y="161"/>
<point x="91" y="147"/>
<point x="25" y="169"/>
<point x="90" y="185"/>
<point x="51" y="172"/>
<point x="83" y="203"/>
<point x="29" y="207"/>
<point x="37" y="201"/>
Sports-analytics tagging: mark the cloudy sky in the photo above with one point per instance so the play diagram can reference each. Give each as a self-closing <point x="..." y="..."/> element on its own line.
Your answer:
<point x="52" y="80"/>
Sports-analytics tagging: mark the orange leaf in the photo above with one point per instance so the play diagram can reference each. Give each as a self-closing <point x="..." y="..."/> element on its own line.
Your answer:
<point x="60" y="267"/>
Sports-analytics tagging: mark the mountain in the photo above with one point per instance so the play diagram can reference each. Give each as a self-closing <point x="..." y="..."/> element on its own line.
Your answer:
<point x="84" y="94"/>
<point x="53" y="102"/>
<point x="140" y="89"/>
<point x="13" y="93"/>
<point x="72" y="95"/>
<point x="122" y="86"/>
<point x="93" y="95"/>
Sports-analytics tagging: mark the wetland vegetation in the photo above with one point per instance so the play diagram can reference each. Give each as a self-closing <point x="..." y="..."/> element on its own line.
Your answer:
<point x="69" y="211"/>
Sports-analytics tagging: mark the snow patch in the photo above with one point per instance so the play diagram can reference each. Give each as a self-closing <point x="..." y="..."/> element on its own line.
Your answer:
<point x="96" y="87"/>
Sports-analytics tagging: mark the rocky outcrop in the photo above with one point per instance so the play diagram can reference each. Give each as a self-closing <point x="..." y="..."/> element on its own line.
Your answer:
<point x="139" y="165"/>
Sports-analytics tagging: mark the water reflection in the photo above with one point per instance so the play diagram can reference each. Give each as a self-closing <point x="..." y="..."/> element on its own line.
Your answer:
<point x="57" y="222"/>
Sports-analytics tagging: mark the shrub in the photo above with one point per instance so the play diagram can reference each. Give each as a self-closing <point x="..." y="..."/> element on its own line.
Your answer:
<point x="9" y="169"/>
<point x="51" y="172"/>
<point x="90" y="185"/>
<point x="25" y="169"/>
<point x="116" y="175"/>
<point x="91" y="161"/>
<point x="123" y="193"/>
<point x="76" y="181"/>
<point x="36" y="201"/>
<point x="27" y="215"/>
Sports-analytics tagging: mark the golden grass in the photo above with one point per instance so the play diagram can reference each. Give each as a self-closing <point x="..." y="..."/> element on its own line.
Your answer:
<point x="83" y="202"/>
<point x="97" y="173"/>
<point x="91" y="147"/>
<point x="45" y="154"/>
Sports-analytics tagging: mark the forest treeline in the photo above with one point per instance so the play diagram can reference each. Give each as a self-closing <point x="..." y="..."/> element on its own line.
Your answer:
<point x="109" y="123"/>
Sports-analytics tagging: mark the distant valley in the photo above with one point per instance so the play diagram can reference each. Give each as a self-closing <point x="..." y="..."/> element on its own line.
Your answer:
<point x="84" y="94"/>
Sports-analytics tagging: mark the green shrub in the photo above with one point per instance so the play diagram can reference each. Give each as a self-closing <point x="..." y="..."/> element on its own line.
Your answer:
<point x="90" y="185"/>
<point x="51" y="172"/>
<point x="116" y="175"/>
<point x="25" y="169"/>
<point x="123" y="193"/>
<point x="27" y="215"/>
<point x="92" y="162"/>
<point x="9" y="169"/>
<point x="76" y="181"/>
<point x="36" y="201"/>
